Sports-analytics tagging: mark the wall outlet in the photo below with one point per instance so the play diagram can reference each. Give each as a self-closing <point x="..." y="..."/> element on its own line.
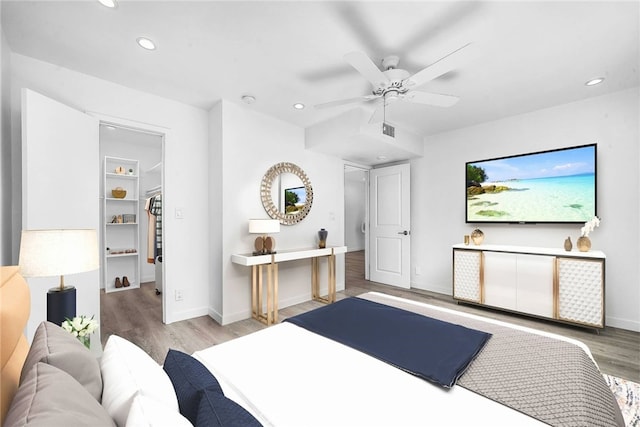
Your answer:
<point x="418" y="270"/>
<point x="179" y="296"/>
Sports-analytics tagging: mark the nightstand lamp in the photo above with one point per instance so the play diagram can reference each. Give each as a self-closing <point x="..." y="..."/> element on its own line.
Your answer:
<point x="264" y="244"/>
<point x="47" y="253"/>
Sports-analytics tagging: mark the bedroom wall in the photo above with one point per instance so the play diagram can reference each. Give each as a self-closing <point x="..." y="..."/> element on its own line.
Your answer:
<point x="186" y="169"/>
<point x="438" y="202"/>
<point x="251" y="144"/>
<point x="5" y="149"/>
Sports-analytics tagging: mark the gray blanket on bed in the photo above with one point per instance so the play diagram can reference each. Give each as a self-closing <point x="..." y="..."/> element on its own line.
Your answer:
<point x="553" y="381"/>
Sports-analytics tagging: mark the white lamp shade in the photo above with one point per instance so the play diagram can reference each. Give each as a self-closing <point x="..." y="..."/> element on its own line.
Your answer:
<point x="264" y="226"/>
<point x="45" y="253"/>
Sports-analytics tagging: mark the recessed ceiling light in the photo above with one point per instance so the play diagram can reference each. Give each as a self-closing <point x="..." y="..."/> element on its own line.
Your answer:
<point x="298" y="106"/>
<point x="111" y="4"/>
<point x="381" y="157"/>
<point x="595" y="81"/>
<point x="146" y="43"/>
<point x="248" y="99"/>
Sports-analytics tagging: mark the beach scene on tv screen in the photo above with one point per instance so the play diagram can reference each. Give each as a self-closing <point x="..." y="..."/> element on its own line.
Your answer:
<point x="555" y="186"/>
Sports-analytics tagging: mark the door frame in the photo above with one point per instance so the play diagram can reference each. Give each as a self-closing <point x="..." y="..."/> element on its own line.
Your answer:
<point x="162" y="132"/>
<point x="366" y="170"/>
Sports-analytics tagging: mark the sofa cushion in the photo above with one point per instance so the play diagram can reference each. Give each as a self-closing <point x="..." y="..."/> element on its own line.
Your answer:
<point x="57" y="347"/>
<point x="49" y="396"/>
<point x="189" y="376"/>
<point x="126" y="371"/>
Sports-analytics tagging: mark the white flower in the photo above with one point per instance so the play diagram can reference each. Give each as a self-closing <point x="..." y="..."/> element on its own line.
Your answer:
<point x="589" y="226"/>
<point x="80" y="326"/>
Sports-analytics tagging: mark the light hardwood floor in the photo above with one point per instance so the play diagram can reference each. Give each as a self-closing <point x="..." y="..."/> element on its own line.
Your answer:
<point x="137" y="316"/>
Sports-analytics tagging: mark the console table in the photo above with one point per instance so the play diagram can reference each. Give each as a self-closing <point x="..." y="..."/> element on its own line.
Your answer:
<point x="551" y="283"/>
<point x="270" y="261"/>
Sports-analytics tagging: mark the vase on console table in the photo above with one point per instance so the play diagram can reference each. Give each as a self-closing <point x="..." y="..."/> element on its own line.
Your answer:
<point x="322" y="238"/>
<point x="568" y="245"/>
<point x="584" y="244"/>
<point x="477" y="236"/>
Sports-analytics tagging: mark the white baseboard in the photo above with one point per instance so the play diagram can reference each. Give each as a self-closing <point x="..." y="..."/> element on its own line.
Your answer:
<point x="188" y="314"/>
<point x="446" y="290"/>
<point x="616" y="322"/>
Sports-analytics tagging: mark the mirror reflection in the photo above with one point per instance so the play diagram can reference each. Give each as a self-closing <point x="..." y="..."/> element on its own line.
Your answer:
<point x="286" y="193"/>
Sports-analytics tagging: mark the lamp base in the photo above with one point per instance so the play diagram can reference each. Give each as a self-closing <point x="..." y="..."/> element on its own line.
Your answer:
<point x="61" y="304"/>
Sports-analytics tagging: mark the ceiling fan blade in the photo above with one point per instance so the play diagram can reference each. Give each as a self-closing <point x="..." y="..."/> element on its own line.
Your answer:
<point x="364" y="98"/>
<point x="435" y="99"/>
<point x="438" y="68"/>
<point x="363" y="64"/>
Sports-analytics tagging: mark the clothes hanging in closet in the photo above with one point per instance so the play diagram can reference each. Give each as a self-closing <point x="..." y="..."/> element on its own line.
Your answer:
<point x="153" y="206"/>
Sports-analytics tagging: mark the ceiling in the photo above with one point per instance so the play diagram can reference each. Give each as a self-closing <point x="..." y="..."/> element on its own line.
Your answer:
<point x="523" y="56"/>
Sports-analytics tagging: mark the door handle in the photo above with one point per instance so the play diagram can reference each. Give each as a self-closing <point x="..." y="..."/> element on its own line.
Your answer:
<point x="405" y="232"/>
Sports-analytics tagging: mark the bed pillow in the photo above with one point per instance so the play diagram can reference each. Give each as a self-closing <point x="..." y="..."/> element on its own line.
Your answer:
<point x="126" y="371"/>
<point x="57" y="347"/>
<point x="189" y="376"/>
<point x="146" y="412"/>
<point x="48" y="396"/>
<point x="216" y="410"/>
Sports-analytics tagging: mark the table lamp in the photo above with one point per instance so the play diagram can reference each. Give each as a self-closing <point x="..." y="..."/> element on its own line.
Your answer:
<point x="46" y="253"/>
<point x="264" y="244"/>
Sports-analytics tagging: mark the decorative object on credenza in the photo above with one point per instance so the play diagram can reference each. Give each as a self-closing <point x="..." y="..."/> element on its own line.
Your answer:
<point x="322" y="238"/>
<point x="477" y="236"/>
<point x="81" y="327"/>
<point x="47" y="253"/>
<point x="120" y="170"/>
<point x="264" y="244"/>
<point x="466" y="239"/>
<point x="567" y="244"/>
<point x="130" y="171"/>
<point x="584" y="243"/>
<point x="119" y="193"/>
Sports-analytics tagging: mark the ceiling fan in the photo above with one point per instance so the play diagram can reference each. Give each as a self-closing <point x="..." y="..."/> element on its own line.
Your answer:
<point x="392" y="83"/>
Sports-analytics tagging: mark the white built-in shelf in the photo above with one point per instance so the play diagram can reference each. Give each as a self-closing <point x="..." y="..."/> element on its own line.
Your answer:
<point x="121" y="175"/>
<point x="122" y="255"/>
<point x="111" y="224"/>
<point x="120" y="200"/>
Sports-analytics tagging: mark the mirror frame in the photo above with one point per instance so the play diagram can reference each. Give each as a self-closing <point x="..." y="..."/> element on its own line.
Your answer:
<point x="265" y="193"/>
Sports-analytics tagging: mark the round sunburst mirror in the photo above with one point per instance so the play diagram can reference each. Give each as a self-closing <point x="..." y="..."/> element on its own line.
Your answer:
<point x="286" y="193"/>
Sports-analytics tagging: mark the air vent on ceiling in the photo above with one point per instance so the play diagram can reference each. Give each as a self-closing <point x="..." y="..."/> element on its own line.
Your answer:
<point x="388" y="130"/>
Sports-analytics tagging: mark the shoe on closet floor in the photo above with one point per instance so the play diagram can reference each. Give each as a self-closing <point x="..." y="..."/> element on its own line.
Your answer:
<point x="125" y="282"/>
<point x="118" y="283"/>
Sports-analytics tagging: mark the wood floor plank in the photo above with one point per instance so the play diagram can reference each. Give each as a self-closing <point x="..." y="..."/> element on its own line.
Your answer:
<point x="136" y="315"/>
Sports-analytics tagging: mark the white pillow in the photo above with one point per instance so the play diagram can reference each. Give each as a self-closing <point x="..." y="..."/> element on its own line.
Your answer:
<point x="147" y="412"/>
<point x="126" y="371"/>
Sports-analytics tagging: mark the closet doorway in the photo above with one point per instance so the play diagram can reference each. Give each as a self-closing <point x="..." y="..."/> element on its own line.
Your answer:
<point x="132" y="158"/>
<point x="356" y="212"/>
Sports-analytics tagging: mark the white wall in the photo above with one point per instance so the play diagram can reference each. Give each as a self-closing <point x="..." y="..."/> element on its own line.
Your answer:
<point x="355" y="201"/>
<point x="5" y="150"/>
<point x="186" y="167"/>
<point x="438" y="198"/>
<point x="251" y="144"/>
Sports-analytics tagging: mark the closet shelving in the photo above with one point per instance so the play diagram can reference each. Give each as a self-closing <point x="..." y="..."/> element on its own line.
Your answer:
<point x="120" y="218"/>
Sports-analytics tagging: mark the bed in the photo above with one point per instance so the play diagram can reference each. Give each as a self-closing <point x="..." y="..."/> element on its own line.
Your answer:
<point x="286" y="375"/>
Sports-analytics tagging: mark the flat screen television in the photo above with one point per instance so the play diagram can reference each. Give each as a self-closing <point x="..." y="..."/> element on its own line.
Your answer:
<point x="555" y="186"/>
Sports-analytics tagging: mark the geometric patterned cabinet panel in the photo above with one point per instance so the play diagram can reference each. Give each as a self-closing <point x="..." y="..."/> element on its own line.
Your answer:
<point x="580" y="291"/>
<point x="467" y="275"/>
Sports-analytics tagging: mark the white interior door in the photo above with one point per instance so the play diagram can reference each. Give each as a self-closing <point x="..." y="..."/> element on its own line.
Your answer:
<point x="60" y="184"/>
<point x="390" y="225"/>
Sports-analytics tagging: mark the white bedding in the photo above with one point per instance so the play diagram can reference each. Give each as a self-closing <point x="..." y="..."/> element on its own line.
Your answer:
<point x="287" y="376"/>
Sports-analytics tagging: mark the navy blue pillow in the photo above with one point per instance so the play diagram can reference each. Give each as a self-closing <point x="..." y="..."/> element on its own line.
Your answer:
<point x="189" y="377"/>
<point x="216" y="410"/>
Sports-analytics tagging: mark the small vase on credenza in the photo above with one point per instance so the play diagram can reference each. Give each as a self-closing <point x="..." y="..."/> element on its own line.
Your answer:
<point x="584" y="244"/>
<point x="568" y="245"/>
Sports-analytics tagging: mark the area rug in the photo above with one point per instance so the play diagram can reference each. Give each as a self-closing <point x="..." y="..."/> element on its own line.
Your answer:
<point x="627" y="394"/>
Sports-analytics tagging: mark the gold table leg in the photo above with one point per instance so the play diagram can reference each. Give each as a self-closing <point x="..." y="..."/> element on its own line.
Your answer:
<point x="315" y="279"/>
<point x="271" y="315"/>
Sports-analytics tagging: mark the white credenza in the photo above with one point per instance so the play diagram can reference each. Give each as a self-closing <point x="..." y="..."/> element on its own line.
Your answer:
<point x="543" y="282"/>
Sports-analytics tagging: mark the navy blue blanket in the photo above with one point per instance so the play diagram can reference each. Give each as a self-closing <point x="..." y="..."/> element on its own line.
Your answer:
<point x="431" y="349"/>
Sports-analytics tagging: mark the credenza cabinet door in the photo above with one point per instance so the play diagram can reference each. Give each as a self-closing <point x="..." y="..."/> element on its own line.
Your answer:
<point x="500" y="279"/>
<point x="535" y="284"/>
<point x="581" y="291"/>
<point x="466" y="275"/>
